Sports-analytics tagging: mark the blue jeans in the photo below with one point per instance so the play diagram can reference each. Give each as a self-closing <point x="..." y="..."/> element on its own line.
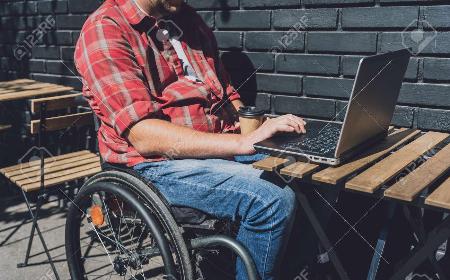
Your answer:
<point x="232" y="190"/>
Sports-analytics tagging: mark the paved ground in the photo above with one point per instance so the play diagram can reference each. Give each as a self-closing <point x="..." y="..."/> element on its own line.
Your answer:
<point x="14" y="237"/>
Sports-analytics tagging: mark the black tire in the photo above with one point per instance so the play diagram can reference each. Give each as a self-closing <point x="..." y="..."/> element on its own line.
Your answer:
<point x="151" y="209"/>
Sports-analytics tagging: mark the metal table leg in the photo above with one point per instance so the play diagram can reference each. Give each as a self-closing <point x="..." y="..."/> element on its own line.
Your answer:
<point x="381" y="242"/>
<point x="424" y="250"/>
<point x="323" y="238"/>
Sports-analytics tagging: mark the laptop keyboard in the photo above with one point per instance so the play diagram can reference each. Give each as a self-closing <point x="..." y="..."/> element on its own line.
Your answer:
<point x="322" y="141"/>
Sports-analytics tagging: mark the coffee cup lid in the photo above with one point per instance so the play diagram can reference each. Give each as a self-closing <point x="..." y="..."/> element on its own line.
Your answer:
<point x="250" y="111"/>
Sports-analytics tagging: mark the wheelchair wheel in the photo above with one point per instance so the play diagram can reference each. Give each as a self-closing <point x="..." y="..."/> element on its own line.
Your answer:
<point x="118" y="227"/>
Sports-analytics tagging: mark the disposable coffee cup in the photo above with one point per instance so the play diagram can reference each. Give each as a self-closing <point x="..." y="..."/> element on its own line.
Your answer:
<point x="250" y="119"/>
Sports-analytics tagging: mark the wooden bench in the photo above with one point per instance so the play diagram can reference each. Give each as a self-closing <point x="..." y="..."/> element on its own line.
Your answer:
<point x="50" y="171"/>
<point x="408" y="167"/>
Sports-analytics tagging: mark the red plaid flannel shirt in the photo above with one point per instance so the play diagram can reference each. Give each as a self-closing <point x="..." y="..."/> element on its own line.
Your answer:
<point x="129" y="75"/>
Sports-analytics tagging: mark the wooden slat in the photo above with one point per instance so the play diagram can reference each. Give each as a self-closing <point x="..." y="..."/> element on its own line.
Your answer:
<point x="270" y="163"/>
<point x="61" y="179"/>
<point x="34" y="175"/>
<point x="441" y="196"/>
<point x="59" y="173"/>
<point x="63" y="122"/>
<point x="47" y="160"/>
<point x="424" y="176"/>
<point x="33" y="86"/>
<point x="16" y="82"/>
<point x="373" y="178"/>
<point x="55" y="102"/>
<point x="299" y="169"/>
<point x="33" y="93"/>
<point x="50" y="164"/>
<point x="4" y="127"/>
<point x="335" y="175"/>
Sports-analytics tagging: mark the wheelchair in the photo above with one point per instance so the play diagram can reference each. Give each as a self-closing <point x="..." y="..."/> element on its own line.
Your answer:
<point x="120" y="226"/>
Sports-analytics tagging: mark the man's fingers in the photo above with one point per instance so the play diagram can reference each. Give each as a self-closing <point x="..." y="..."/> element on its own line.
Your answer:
<point x="285" y="128"/>
<point x="292" y="123"/>
<point x="297" y="123"/>
<point x="300" y="123"/>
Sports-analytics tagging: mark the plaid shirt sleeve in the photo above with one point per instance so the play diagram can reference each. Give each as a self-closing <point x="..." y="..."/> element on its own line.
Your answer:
<point x="105" y="60"/>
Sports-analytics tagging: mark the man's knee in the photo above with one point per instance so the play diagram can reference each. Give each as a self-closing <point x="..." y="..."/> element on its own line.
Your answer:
<point x="274" y="207"/>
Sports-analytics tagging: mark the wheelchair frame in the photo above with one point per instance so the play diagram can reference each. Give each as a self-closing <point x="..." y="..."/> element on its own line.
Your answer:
<point x="130" y="177"/>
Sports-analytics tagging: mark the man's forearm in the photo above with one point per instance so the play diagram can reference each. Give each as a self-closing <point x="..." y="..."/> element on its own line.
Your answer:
<point x="158" y="137"/>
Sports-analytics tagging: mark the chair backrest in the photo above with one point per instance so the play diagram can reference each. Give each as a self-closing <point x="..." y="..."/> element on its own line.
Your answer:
<point x="43" y="105"/>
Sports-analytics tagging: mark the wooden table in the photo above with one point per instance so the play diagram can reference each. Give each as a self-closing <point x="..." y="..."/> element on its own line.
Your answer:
<point x="25" y="89"/>
<point x="408" y="167"/>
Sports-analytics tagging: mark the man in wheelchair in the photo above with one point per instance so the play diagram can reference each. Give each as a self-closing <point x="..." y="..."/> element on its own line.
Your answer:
<point x="152" y="74"/>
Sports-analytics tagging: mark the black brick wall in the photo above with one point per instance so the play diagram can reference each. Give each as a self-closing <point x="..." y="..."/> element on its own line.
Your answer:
<point x="304" y="52"/>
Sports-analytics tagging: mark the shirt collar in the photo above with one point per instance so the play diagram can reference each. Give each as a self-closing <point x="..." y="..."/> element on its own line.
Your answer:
<point x="132" y="11"/>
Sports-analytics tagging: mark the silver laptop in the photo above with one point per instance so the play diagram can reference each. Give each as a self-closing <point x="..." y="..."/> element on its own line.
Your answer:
<point x="367" y="119"/>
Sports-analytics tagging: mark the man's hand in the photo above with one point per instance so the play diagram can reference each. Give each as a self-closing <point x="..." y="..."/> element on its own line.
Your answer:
<point x="286" y="123"/>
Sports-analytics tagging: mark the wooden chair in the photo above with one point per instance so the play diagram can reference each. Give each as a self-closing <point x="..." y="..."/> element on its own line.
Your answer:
<point x="49" y="171"/>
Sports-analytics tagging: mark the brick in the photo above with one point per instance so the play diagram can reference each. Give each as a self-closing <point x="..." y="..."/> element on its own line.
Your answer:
<point x="228" y="39"/>
<point x="433" y="43"/>
<point x="355" y="42"/>
<point x="285" y="84"/>
<point x="249" y="60"/>
<point x="403" y="116"/>
<point x="5" y="63"/>
<point x="15" y="23"/>
<point x="263" y="101"/>
<point x="52" y="7"/>
<point x="70" y="21"/>
<point x="379" y="17"/>
<point x="21" y="8"/>
<point x="275" y="40"/>
<point x="243" y="20"/>
<point x="335" y="2"/>
<point x="433" y="119"/>
<point x="208" y="18"/>
<point x="214" y="4"/>
<point x="436" y="69"/>
<point x="36" y="65"/>
<point x="75" y="36"/>
<point x="18" y="37"/>
<point x="350" y="66"/>
<point x="305" y="19"/>
<point x="307" y="64"/>
<point x="437" y="16"/>
<point x="269" y="3"/>
<point x="425" y="94"/>
<point x="341" y="109"/>
<point x="46" y="52"/>
<point x="61" y="67"/>
<point x="58" y="38"/>
<point x="402" y="1"/>
<point x="307" y="107"/>
<point x="83" y="6"/>
<point x="327" y="87"/>
<point x="67" y="53"/>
